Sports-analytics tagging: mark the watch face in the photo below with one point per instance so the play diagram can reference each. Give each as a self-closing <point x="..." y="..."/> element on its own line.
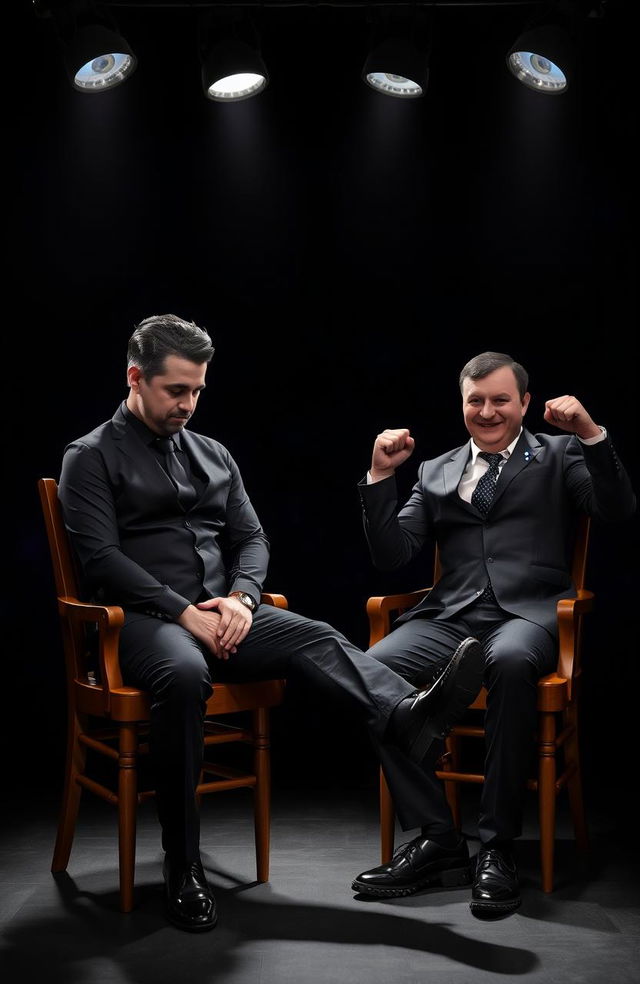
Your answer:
<point x="245" y="599"/>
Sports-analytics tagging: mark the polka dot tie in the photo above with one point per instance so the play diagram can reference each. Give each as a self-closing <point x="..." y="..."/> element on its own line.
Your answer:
<point x="482" y="498"/>
<point x="484" y="490"/>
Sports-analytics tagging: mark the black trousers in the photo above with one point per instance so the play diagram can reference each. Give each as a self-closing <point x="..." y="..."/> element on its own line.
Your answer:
<point x="518" y="653"/>
<point x="171" y="664"/>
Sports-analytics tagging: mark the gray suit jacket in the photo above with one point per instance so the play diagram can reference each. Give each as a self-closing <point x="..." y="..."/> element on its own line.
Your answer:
<point x="524" y="544"/>
<point x="135" y="545"/>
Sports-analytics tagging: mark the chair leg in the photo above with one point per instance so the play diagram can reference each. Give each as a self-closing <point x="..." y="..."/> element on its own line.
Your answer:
<point x="262" y="792"/>
<point x="547" y="795"/>
<point x="387" y="821"/>
<point x="452" y="789"/>
<point x="574" y="784"/>
<point x="75" y="764"/>
<point x="127" y="810"/>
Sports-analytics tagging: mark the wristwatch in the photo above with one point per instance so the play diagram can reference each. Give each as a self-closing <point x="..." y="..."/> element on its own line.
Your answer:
<point x="244" y="599"/>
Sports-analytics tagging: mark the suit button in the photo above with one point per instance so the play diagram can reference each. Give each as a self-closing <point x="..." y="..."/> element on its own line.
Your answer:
<point x="489" y="560"/>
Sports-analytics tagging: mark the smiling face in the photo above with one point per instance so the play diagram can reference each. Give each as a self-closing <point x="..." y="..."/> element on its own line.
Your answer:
<point x="166" y="402"/>
<point x="493" y="409"/>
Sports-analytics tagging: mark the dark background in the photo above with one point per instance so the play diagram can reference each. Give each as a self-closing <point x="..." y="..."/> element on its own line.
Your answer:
<point x="348" y="253"/>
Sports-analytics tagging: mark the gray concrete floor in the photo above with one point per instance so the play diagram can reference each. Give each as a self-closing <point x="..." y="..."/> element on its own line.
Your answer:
<point x="306" y="926"/>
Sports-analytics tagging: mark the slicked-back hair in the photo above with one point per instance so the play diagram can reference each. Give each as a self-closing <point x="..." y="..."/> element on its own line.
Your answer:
<point x="487" y="362"/>
<point x="165" y="334"/>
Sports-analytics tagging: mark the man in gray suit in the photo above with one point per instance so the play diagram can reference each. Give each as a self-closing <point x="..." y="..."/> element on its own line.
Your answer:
<point x="162" y="525"/>
<point x="502" y="509"/>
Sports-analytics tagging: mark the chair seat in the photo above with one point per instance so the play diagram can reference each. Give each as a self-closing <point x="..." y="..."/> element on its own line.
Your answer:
<point x="133" y="705"/>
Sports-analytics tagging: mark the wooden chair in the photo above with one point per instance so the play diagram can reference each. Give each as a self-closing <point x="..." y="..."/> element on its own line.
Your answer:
<point x="121" y="714"/>
<point x="558" y="703"/>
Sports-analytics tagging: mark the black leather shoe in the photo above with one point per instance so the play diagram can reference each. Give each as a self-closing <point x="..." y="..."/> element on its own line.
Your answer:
<point x="189" y="902"/>
<point x="419" y="719"/>
<point x="495" y="888"/>
<point x="416" y="865"/>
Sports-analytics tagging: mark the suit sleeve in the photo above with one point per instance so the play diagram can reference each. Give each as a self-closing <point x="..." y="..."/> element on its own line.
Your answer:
<point x="89" y="512"/>
<point x="394" y="537"/>
<point x="598" y="481"/>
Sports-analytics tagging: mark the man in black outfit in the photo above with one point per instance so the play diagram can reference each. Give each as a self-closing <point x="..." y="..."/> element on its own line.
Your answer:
<point x="162" y="525"/>
<point x="502" y="509"/>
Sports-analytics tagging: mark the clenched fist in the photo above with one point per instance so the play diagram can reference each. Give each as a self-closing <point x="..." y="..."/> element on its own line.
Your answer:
<point x="567" y="413"/>
<point x="391" y="449"/>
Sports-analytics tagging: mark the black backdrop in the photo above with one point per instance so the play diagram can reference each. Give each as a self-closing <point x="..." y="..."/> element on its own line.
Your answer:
<point x="348" y="253"/>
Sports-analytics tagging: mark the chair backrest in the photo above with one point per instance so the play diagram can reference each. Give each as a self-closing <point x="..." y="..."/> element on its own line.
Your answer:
<point x="581" y="551"/>
<point x="79" y="647"/>
<point x="64" y="571"/>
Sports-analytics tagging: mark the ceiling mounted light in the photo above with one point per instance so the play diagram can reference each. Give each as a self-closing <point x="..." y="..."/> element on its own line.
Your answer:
<point x="232" y="64"/>
<point x="396" y="68"/>
<point x="398" y="59"/>
<point x="543" y="57"/>
<point x="98" y="59"/>
<point x="96" y="56"/>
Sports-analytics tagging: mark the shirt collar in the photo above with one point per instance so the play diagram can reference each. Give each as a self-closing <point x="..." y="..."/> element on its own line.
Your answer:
<point x="147" y="435"/>
<point x="506" y="452"/>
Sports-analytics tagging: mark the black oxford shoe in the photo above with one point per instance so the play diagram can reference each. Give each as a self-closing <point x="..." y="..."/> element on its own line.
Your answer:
<point x="417" y="721"/>
<point x="495" y="888"/>
<point x="189" y="902"/>
<point x="416" y="865"/>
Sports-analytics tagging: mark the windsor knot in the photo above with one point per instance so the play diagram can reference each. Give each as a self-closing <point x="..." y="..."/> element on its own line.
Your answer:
<point x="493" y="459"/>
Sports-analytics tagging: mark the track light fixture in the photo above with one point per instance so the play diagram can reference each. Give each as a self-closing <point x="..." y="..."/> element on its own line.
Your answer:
<point x="543" y="56"/>
<point x="96" y="56"/>
<point x="398" y="59"/>
<point x="231" y="62"/>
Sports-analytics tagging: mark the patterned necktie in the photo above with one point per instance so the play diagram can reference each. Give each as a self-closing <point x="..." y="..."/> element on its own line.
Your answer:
<point x="484" y="490"/>
<point x="482" y="498"/>
<point x="187" y="495"/>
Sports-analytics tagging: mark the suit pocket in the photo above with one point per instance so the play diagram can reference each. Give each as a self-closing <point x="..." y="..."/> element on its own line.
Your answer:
<point x="551" y="575"/>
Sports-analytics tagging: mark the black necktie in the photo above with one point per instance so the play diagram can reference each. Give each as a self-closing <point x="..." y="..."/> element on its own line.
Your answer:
<point x="175" y="469"/>
<point x="481" y="499"/>
<point x="484" y="490"/>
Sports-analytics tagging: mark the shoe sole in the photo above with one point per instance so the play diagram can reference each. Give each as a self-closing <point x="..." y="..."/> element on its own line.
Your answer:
<point x="450" y="878"/>
<point x="191" y="929"/>
<point x="495" y="908"/>
<point x="459" y="685"/>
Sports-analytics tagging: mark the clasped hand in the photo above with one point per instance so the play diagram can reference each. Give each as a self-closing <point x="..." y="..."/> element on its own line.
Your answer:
<point x="220" y="623"/>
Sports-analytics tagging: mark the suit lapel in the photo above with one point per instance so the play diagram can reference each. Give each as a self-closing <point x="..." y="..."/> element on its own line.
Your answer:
<point x="523" y="454"/>
<point x="454" y="468"/>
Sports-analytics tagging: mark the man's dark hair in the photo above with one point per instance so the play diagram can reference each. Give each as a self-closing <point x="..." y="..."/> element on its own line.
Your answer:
<point x="487" y="362"/>
<point x="165" y="334"/>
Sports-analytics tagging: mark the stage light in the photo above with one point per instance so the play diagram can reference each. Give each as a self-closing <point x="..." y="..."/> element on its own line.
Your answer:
<point x="231" y="62"/>
<point x="97" y="58"/>
<point x="398" y="60"/>
<point x="396" y="67"/>
<point x="543" y="58"/>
